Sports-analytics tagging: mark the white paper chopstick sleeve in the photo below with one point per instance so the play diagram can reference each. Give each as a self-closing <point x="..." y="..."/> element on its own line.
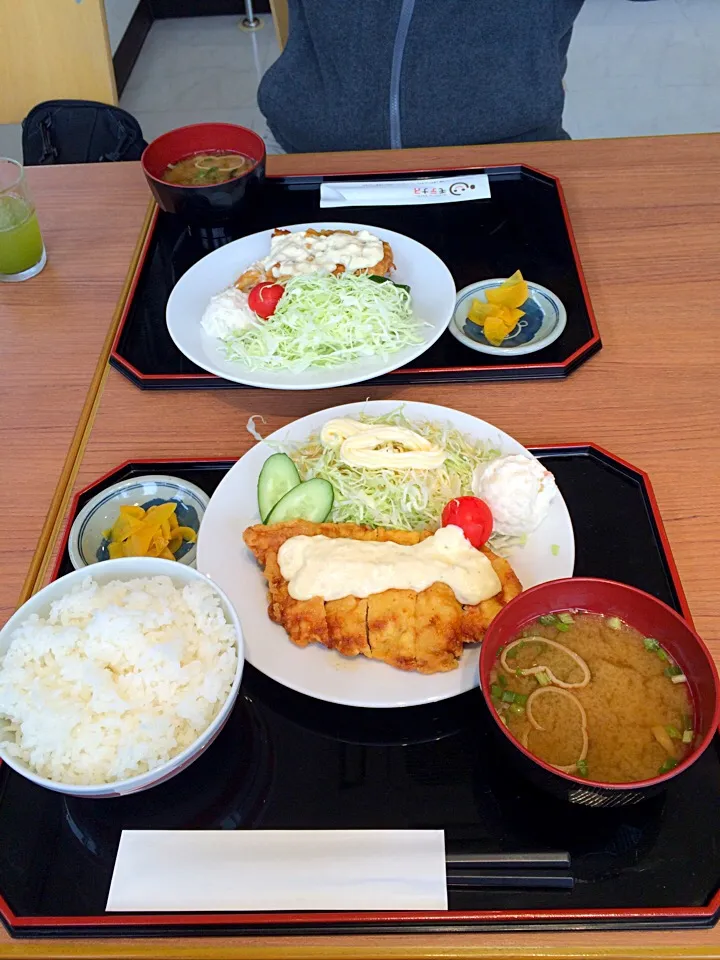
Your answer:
<point x="205" y="870"/>
<point x="390" y="193"/>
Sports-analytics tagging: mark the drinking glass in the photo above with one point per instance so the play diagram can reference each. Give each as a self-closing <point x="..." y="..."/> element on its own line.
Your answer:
<point x="22" y="251"/>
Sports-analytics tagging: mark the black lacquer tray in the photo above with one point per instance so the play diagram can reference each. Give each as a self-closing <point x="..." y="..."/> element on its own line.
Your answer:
<point x="287" y="761"/>
<point x="524" y="225"/>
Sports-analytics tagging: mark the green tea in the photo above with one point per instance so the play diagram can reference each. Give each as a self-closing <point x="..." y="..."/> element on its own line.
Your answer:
<point x="21" y="245"/>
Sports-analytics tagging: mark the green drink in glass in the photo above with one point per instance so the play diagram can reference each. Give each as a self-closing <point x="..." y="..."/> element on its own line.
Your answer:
<point x="22" y="252"/>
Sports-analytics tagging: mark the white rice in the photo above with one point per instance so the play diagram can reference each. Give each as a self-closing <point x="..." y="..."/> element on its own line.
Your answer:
<point x="117" y="680"/>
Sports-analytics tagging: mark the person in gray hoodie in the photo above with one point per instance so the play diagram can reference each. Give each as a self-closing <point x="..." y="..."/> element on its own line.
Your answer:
<point x="371" y="74"/>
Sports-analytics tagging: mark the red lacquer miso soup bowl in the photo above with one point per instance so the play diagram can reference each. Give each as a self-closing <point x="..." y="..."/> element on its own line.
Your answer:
<point x="201" y="201"/>
<point x="650" y="617"/>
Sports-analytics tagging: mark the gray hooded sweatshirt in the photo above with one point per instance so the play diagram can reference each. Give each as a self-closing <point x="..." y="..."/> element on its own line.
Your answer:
<point x="368" y="74"/>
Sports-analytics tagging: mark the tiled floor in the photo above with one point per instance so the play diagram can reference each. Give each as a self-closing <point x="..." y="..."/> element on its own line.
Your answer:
<point x="634" y="68"/>
<point x="644" y="68"/>
<point x="199" y="69"/>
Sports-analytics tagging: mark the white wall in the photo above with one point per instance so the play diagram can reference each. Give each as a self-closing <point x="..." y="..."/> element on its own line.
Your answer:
<point x="119" y="14"/>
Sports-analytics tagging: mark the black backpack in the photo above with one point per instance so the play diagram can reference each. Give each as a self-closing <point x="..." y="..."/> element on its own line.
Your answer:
<point x="80" y="131"/>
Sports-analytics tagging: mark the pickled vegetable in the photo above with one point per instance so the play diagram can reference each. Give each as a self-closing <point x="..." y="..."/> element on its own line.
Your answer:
<point x="499" y="316"/>
<point x="151" y="532"/>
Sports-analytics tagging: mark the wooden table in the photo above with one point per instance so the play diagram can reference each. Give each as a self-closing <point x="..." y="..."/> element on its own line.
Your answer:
<point x="647" y="220"/>
<point x="52" y="333"/>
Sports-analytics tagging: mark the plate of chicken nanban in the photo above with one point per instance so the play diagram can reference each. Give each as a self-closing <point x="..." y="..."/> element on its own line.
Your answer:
<point x="367" y="548"/>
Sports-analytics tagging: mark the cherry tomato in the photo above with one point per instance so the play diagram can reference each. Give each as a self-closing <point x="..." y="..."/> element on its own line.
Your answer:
<point x="472" y="516"/>
<point x="264" y="298"/>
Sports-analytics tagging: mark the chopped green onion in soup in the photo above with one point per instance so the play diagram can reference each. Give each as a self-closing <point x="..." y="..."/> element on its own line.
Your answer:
<point x="649" y="724"/>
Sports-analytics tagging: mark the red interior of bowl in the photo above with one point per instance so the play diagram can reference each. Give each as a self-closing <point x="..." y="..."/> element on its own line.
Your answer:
<point x="647" y="614"/>
<point x="201" y="138"/>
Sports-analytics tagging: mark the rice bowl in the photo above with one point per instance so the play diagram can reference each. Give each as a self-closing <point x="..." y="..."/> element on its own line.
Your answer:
<point x="115" y="679"/>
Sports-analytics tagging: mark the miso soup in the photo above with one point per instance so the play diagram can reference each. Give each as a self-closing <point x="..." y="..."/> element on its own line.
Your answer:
<point x="595" y="698"/>
<point x="206" y="169"/>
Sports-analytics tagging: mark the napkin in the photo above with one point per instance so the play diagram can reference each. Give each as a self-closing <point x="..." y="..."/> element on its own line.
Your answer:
<point x="390" y="193"/>
<point x="207" y="870"/>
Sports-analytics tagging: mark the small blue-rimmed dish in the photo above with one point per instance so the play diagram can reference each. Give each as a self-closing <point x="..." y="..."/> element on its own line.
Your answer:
<point x="544" y="321"/>
<point x="87" y="543"/>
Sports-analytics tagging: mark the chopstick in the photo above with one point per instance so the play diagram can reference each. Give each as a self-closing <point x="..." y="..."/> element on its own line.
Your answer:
<point x="554" y="859"/>
<point x="517" y="879"/>
<point x="549" y="870"/>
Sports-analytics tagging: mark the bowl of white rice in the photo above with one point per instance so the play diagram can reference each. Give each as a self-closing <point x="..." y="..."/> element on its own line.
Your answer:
<point x="118" y="676"/>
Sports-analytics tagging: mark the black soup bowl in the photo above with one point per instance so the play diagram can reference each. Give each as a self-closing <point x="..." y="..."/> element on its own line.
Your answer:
<point x="653" y="619"/>
<point x="211" y="205"/>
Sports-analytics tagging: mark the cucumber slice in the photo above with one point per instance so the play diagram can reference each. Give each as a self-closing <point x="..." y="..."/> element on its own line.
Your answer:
<point x="311" y="500"/>
<point x="278" y="475"/>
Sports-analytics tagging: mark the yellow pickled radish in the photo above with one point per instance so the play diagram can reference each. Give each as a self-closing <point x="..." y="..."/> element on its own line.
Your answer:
<point x="187" y="533"/>
<point x="512" y="293"/>
<point x="158" y="544"/>
<point x="116" y="550"/>
<point x="479" y="312"/>
<point x="495" y="330"/>
<point x="498" y="326"/>
<point x="123" y="527"/>
<point x="499" y="316"/>
<point x="154" y="532"/>
<point x="139" y="543"/>
<point x="513" y="315"/>
<point x="160" y="513"/>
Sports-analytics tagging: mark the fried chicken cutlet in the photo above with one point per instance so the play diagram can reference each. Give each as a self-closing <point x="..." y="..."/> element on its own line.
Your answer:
<point x="412" y="631"/>
<point x="258" y="274"/>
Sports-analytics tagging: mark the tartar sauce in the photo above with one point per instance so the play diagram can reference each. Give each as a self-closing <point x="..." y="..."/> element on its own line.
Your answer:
<point x="380" y="446"/>
<point x="336" y="568"/>
<point x="293" y="254"/>
<point x="227" y="312"/>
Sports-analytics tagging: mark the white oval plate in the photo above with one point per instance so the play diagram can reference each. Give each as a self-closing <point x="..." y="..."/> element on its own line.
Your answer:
<point x="431" y="286"/>
<point x="326" y="674"/>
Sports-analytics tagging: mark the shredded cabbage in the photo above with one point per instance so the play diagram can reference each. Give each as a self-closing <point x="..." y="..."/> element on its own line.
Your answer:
<point x="401" y="500"/>
<point x="252" y="429"/>
<point x="328" y="321"/>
